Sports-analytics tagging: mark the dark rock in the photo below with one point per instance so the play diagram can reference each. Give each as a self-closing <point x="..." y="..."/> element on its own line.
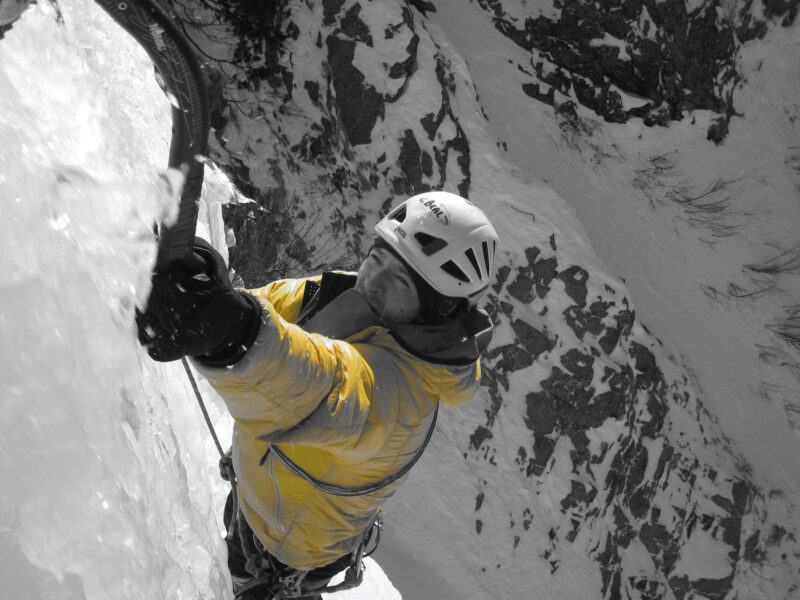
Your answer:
<point x="655" y="538"/>
<point x="359" y="104"/>
<point x="609" y="562"/>
<point x="501" y="276"/>
<point x="591" y="320"/>
<point x="543" y="448"/>
<point x="623" y="532"/>
<point x="657" y="409"/>
<point x="407" y="67"/>
<point x="574" y="279"/>
<point x="532" y="90"/>
<point x="430" y="124"/>
<point x="722" y="502"/>
<point x="506" y="308"/>
<point x="609" y="405"/>
<point x="514" y="357"/>
<point x="312" y="88"/>
<point x="639" y="503"/>
<point x="578" y="496"/>
<point x="568" y="110"/>
<point x="423" y="6"/>
<point x="785" y="10"/>
<point x="414" y="162"/>
<point x="742" y="493"/>
<point x="680" y="586"/>
<point x="649" y="375"/>
<point x="330" y="10"/>
<point x="493" y="379"/>
<point x="579" y="365"/>
<point x="522" y="288"/>
<point x="611" y="335"/>
<point x="354" y="28"/>
<point x="544" y="271"/>
<point x="542" y="414"/>
<point x="533" y="340"/>
<point x="753" y="552"/>
<point x="714" y="589"/>
<point x="636" y="465"/>
<point x="480" y="435"/>
<point x="717" y="131"/>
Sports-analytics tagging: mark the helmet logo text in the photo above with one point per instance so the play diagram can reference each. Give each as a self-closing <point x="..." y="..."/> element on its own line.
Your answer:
<point x="436" y="210"/>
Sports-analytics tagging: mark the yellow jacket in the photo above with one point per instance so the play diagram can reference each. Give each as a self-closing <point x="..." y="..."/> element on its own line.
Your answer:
<point x="348" y="411"/>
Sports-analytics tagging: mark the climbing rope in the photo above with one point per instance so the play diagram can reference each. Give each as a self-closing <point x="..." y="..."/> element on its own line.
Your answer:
<point x="202" y="407"/>
<point x="225" y="463"/>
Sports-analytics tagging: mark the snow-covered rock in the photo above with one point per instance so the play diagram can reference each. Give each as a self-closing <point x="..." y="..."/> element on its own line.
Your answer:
<point x="589" y="449"/>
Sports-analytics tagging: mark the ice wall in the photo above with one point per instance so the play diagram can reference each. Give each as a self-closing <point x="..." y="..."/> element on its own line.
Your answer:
<point x="104" y="459"/>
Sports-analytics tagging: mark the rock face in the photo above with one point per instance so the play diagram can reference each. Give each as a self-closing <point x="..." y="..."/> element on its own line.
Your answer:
<point x="646" y="476"/>
<point x="588" y="446"/>
<point x="672" y="56"/>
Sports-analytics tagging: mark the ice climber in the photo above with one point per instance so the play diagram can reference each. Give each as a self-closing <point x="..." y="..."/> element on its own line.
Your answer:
<point x="333" y="381"/>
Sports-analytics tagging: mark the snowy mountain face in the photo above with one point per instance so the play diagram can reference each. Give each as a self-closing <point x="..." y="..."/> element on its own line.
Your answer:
<point x="648" y="60"/>
<point x="589" y="465"/>
<point x="636" y="432"/>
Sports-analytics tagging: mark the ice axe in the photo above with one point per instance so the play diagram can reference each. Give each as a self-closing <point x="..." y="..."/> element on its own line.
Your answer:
<point x="182" y="77"/>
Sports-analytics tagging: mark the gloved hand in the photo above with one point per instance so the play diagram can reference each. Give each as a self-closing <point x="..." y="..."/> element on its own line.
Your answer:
<point x="198" y="314"/>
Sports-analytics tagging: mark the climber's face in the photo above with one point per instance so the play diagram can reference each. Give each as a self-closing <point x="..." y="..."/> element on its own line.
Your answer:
<point x="387" y="286"/>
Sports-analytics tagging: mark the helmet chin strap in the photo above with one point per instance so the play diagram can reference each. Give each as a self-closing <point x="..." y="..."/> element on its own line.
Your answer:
<point x="437" y="313"/>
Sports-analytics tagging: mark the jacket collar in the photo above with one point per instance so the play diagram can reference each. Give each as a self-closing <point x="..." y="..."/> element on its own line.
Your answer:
<point x="336" y="310"/>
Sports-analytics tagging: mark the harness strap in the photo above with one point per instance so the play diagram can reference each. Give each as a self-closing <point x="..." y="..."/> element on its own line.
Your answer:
<point x="281" y="582"/>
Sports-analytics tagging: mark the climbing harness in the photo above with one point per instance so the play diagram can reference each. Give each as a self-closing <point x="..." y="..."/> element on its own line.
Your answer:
<point x="281" y="583"/>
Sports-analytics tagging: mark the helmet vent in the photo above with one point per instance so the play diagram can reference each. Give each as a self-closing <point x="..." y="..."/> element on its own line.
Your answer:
<point x="399" y="214"/>
<point x="486" y="259"/>
<point x="430" y="244"/>
<point x="453" y="269"/>
<point x="474" y="261"/>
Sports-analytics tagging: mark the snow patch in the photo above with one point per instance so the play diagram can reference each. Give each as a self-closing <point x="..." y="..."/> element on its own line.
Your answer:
<point x="704" y="557"/>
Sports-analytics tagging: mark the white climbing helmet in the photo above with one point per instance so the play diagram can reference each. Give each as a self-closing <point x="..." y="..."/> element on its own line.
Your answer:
<point x="446" y="239"/>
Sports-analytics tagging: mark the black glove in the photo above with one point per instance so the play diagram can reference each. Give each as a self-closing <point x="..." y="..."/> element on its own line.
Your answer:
<point x="198" y="314"/>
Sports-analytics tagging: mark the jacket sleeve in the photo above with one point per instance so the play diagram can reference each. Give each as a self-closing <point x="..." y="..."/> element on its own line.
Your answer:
<point x="285" y="295"/>
<point x="288" y="373"/>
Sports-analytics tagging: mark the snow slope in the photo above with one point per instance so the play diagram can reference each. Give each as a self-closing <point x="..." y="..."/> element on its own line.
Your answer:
<point x="619" y="180"/>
